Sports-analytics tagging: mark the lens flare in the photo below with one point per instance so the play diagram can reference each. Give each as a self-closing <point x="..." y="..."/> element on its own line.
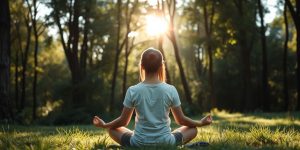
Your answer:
<point x="155" y="25"/>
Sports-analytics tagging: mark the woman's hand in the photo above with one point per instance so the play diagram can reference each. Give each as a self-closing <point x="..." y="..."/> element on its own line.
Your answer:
<point x="98" y="122"/>
<point x="207" y="120"/>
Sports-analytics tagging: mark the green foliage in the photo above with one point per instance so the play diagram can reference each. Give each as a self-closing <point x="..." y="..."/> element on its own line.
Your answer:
<point x="234" y="31"/>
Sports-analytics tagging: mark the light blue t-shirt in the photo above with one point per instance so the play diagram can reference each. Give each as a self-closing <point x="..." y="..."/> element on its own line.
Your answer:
<point x="152" y="103"/>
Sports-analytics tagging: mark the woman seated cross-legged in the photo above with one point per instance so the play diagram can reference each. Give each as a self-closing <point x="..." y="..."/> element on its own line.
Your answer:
<point x="152" y="99"/>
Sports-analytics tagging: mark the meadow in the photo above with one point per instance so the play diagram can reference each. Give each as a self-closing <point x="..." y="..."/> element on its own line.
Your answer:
<point x="228" y="131"/>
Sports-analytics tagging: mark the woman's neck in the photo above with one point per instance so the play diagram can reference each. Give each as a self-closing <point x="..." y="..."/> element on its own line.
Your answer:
<point x="151" y="78"/>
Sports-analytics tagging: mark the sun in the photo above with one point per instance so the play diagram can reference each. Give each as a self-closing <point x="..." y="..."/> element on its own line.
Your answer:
<point x="155" y="25"/>
<point x="152" y="2"/>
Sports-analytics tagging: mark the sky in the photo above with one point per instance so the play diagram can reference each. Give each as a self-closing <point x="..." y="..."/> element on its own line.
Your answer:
<point x="272" y="6"/>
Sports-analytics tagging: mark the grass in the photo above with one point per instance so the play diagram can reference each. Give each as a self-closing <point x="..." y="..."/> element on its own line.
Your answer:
<point x="229" y="131"/>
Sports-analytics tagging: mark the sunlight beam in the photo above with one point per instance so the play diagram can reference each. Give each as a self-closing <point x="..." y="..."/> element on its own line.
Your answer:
<point x="155" y="25"/>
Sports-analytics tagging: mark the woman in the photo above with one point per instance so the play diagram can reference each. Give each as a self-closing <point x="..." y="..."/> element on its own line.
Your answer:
<point x="152" y="99"/>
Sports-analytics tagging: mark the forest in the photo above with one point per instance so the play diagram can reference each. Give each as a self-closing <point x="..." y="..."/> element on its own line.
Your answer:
<point x="63" y="61"/>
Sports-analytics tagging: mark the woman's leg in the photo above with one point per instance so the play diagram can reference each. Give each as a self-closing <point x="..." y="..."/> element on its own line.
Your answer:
<point x="188" y="133"/>
<point x="116" y="134"/>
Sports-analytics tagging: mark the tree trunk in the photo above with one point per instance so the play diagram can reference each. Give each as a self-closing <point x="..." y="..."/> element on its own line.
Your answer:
<point x="171" y="8"/>
<point x="208" y="30"/>
<point x="125" y="73"/>
<point x="18" y="105"/>
<point x="24" y="64"/>
<point x="113" y="84"/>
<point x="265" y="86"/>
<point x="128" y="19"/>
<point x="211" y="77"/>
<point x="160" y="47"/>
<point x="246" y="103"/>
<point x="199" y="61"/>
<point x="116" y="62"/>
<point x="36" y="46"/>
<point x="160" y="10"/>
<point x="16" y="80"/>
<point x="4" y="59"/>
<point x="84" y="46"/>
<point x="295" y="13"/>
<point x="298" y="61"/>
<point x="298" y="52"/>
<point x="199" y="53"/>
<point x="75" y="59"/>
<point x="181" y="70"/>
<point x="127" y="53"/>
<point x="285" y="50"/>
<point x="78" y="92"/>
<point x="128" y="50"/>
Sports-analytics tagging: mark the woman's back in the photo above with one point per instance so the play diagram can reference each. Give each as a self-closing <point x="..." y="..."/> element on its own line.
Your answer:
<point x="152" y="103"/>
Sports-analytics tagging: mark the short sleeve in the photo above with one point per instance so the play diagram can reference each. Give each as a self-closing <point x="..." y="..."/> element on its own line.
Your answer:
<point x="128" y="99"/>
<point x="175" y="98"/>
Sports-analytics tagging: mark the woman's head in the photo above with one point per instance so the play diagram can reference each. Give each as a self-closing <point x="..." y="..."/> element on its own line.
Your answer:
<point x="152" y="63"/>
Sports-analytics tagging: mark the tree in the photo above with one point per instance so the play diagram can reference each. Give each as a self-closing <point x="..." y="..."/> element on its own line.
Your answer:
<point x="208" y="25"/>
<point x="245" y="39"/>
<point x="70" y="37"/>
<point x="116" y="61"/>
<point x="295" y="13"/>
<point x="265" y="86"/>
<point x="160" y="42"/>
<point x="285" y="50"/>
<point x="19" y="31"/>
<point x="169" y="10"/>
<point x="21" y="21"/>
<point x="17" y="70"/>
<point x="4" y="59"/>
<point x="24" y="58"/>
<point x="37" y="31"/>
<point x="128" y="44"/>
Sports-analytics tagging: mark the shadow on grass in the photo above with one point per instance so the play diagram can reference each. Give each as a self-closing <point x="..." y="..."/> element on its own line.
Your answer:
<point x="242" y="122"/>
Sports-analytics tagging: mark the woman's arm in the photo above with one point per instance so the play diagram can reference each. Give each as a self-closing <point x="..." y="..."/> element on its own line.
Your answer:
<point x="181" y="119"/>
<point x="123" y="120"/>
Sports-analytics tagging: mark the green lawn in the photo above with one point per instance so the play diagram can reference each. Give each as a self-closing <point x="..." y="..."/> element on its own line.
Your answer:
<point x="229" y="131"/>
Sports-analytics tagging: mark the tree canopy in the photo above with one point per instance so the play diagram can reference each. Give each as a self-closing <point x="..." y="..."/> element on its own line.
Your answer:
<point x="70" y="59"/>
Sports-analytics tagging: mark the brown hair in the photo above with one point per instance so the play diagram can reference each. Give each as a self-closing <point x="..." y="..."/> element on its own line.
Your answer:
<point x="152" y="62"/>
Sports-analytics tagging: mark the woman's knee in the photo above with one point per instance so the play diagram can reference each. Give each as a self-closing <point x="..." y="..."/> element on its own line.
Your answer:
<point x="189" y="134"/>
<point x="111" y="132"/>
<point x="194" y="131"/>
<point x="115" y="135"/>
<point x="117" y="132"/>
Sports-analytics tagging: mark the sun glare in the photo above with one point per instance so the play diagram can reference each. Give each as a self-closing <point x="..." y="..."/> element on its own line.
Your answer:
<point x="152" y="2"/>
<point x="155" y="25"/>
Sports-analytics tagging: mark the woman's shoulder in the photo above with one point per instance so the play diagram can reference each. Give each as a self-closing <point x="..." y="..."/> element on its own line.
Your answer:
<point x="142" y="85"/>
<point x="134" y="87"/>
<point x="167" y="85"/>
